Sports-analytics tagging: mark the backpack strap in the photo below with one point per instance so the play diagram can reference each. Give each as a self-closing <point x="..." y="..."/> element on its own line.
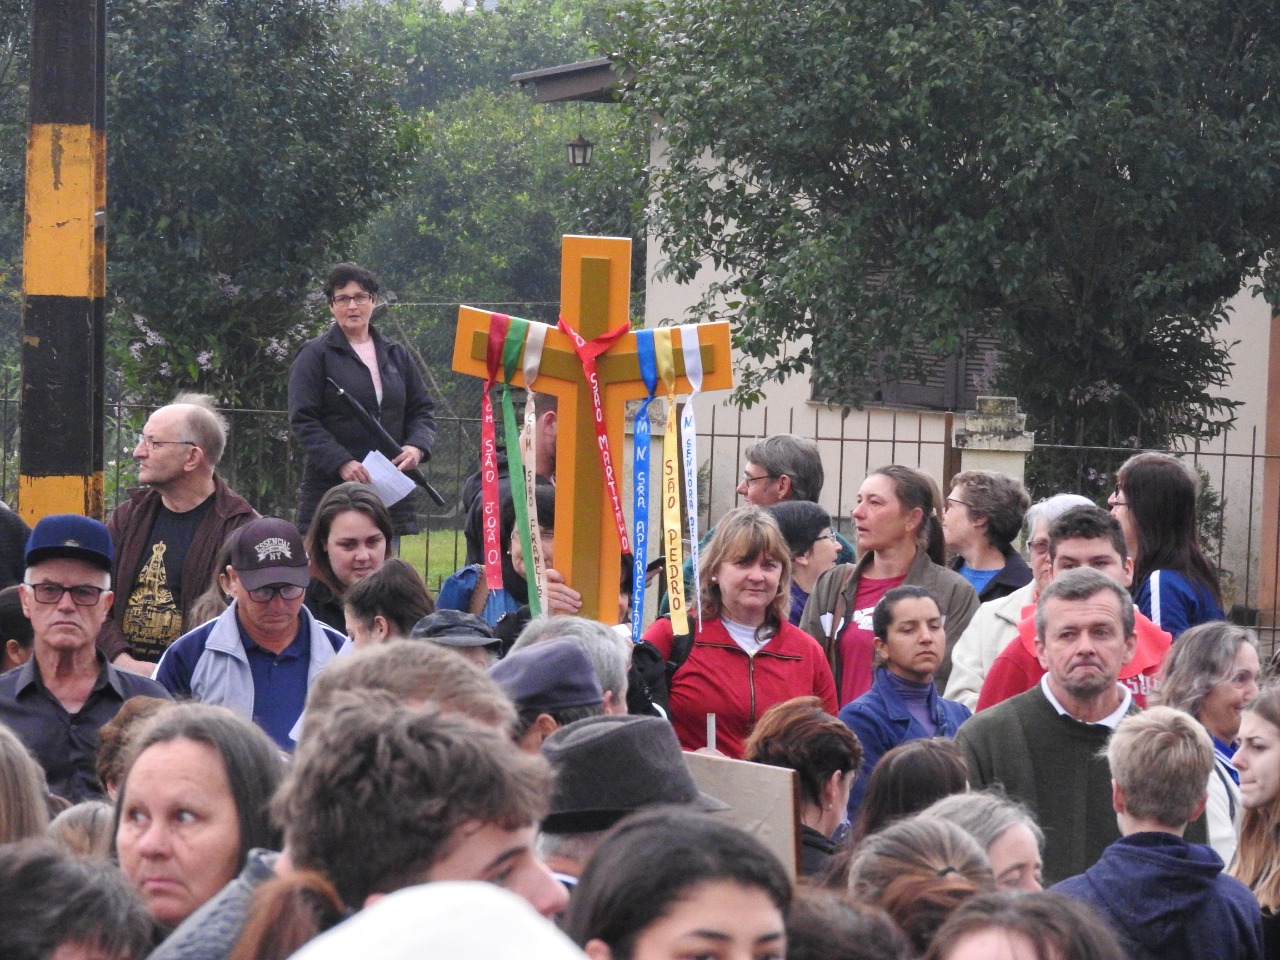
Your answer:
<point x="681" y="647"/>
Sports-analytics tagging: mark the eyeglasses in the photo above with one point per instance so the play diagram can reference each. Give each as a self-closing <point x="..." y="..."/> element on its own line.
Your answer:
<point x="1038" y="547"/>
<point x="359" y="299"/>
<point x="286" y="591"/>
<point x="1115" y="501"/>
<point x="150" y="443"/>
<point x="749" y="480"/>
<point x="950" y="500"/>
<point x="825" y="536"/>
<point x="82" y="594"/>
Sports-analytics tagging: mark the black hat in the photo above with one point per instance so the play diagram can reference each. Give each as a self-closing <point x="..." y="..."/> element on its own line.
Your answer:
<point x="550" y="676"/>
<point x="72" y="536"/>
<point x="608" y="767"/>
<point x="453" y="628"/>
<point x="268" y="551"/>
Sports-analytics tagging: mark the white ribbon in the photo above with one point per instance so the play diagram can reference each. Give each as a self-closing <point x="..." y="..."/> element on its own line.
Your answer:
<point x="531" y="364"/>
<point x="689" y="448"/>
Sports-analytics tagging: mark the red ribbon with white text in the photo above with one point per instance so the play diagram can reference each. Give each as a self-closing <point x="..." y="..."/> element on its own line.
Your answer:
<point x="587" y="352"/>
<point x="499" y="323"/>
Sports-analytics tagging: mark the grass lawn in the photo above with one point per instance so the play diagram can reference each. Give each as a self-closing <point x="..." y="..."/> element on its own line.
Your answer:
<point x="435" y="554"/>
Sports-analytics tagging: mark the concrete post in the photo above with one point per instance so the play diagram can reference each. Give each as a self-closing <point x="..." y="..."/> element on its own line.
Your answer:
<point x="994" y="438"/>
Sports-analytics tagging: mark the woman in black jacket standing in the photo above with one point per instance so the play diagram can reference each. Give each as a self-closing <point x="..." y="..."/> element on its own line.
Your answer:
<point x="377" y="372"/>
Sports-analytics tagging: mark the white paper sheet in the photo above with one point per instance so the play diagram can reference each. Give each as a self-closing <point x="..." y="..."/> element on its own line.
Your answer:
<point x="391" y="485"/>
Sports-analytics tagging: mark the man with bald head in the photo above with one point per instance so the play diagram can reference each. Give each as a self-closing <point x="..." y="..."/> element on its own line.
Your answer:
<point x="169" y="532"/>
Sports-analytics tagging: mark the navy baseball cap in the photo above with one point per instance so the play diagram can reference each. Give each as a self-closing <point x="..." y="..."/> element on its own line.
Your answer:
<point x="548" y="676"/>
<point x="72" y="536"/>
<point x="269" y="551"/>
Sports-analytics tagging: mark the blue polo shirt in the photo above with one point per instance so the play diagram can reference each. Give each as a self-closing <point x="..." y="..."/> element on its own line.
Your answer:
<point x="279" y="683"/>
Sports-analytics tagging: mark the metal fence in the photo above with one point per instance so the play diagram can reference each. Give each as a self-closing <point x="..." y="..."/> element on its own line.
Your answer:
<point x="1239" y="538"/>
<point x="264" y="464"/>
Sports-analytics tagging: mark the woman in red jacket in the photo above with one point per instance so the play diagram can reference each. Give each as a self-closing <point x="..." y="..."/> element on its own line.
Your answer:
<point x="745" y="656"/>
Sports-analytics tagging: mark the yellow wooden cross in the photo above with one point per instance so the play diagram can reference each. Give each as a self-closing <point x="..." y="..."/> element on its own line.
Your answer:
<point x="595" y="294"/>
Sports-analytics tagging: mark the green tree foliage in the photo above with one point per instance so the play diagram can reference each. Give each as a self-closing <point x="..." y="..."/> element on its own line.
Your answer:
<point x="491" y="193"/>
<point x="1086" y="180"/>
<point x="449" y="54"/>
<point x="14" y="69"/>
<point x="247" y="144"/>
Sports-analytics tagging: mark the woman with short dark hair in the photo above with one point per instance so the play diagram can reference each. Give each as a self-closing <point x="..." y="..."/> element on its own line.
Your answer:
<point x="814" y="548"/>
<point x="377" y="372"/>
<point x="903" y="703"/>
<point x="800" y="735"/>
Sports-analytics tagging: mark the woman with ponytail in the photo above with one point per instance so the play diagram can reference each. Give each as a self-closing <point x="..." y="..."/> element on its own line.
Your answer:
<point x="900" y="543"/>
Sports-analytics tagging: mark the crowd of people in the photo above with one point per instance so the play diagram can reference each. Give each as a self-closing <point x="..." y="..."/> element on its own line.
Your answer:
<point x="233" y="737"/>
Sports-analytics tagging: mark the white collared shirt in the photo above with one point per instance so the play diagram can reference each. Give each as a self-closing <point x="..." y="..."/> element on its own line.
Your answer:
<point x="1111" y="721"/>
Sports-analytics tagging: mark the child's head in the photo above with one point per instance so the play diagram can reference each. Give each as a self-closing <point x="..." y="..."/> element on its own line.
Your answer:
<point x="1160" y="762"/>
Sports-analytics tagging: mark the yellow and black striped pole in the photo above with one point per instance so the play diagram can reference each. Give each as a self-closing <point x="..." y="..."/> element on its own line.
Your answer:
<point x="64" y="263"/>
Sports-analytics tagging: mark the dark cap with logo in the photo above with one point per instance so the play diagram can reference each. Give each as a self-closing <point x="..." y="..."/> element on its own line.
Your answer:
<point x="71" y="536"/>
<point x="269" y="551"/>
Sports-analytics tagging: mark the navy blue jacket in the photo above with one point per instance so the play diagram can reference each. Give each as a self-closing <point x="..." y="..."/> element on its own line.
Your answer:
<point x="1014" y="575"/>
<point x="1169" y="899"/>
<point x="881" y="721"/>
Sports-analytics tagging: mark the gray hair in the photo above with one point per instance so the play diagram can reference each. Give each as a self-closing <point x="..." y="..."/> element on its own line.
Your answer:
<point x="577" y="847"/>
<point x="608" y="651"/>
<point x="797" y="458"/>
<point x="1203" y="657"/>
<point x="985" y="816"/>
<point x="1081" y="584"/>
<point x="208" y="428"/>
<point x="1050" y="509"/>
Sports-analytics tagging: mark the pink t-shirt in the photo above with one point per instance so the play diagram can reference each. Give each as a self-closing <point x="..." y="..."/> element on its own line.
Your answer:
<point x="857" y="641"/>
<point x="368" y="352"/>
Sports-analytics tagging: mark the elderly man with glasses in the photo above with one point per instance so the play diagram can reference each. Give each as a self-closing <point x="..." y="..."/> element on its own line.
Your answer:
<point x="260" y="656"/>
<point x="58" y="700"/>
<point x="169" y="532"/>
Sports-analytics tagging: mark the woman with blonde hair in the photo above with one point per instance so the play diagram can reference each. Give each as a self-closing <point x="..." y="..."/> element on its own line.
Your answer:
<point x="23" y="811"/>
<point x="1257" y="861"/>
<point x="744" y="656"/>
